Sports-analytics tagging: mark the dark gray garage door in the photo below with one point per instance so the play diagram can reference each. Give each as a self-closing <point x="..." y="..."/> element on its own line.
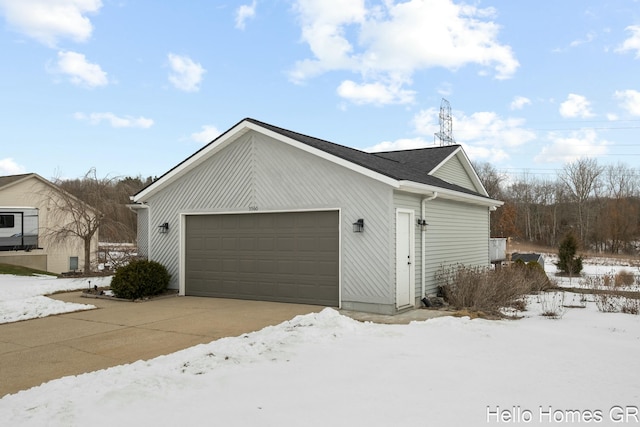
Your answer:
<point x="286" y="257"/>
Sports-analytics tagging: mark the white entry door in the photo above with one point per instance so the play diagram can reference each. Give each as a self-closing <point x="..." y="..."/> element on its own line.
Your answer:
<point x="405" y="258"/>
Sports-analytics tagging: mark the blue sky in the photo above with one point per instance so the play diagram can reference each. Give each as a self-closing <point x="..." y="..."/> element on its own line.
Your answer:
<point x="133" y="87"/>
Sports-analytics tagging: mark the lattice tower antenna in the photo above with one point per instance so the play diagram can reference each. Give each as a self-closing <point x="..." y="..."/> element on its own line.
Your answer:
<point x="446" y="124"/>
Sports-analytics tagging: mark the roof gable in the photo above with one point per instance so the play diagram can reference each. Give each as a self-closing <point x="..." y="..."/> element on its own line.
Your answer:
<point x="8" y="180"/>
<point x="393" y="168"/>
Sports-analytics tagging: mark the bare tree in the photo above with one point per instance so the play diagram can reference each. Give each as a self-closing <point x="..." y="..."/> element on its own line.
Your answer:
<point x="75" y="211"/>
<point x="500" y="219"/>
<point x="582" y="180"/>
<point x="521" y="193"/>
<point x="491" y="179"/>
<point x="620" y="208"/>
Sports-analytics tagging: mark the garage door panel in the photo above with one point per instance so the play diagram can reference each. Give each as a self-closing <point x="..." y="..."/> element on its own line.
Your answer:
<point x="288" y="257"/>
<point x="247" y="243"/>
<point x="265" y="267"/>
<point x="248" y="265"/>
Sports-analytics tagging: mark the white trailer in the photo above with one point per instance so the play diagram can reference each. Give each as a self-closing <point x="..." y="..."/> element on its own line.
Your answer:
<point x="18" y="228"/>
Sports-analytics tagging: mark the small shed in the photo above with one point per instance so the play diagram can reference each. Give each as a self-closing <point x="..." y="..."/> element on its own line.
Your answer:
<point x="528" y="257"/>
<point x="266" y="213"/>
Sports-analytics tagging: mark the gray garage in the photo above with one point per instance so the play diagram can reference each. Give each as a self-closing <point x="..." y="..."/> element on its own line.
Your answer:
<point x="283" y="256"/>
<point x="265" y="213"/>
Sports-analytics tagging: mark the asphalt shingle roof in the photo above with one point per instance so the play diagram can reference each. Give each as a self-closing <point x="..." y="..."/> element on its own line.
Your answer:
<point x="409" y="165"/>
<point x="6" y="180"/>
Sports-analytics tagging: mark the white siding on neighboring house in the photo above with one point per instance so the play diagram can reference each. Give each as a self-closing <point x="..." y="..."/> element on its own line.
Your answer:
<point x="453" y="172"/>
<point x="36" y="193"/>
<point x="259" y="174"/>
<point x="457" y="234"/>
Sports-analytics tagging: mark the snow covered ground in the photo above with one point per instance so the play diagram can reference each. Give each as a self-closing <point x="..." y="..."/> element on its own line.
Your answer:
<point x="594" y="267"/>
<point x="325" y="369"/>
<point x="22" y="297"/>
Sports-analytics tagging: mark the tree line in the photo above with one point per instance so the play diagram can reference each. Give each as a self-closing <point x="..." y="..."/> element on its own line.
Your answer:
<point x="599" y="204"/>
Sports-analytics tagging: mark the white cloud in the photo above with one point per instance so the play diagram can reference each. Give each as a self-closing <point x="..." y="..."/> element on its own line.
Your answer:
<point x="47" y="21"/>
<point x="630" y="100"/>
<point x="400" y="144"/>
<point x="185" y="74"/>
<point x="8" y="166"/>
<point x="79" y="71"/>
<point x="484" y="135"/>
<point x="578" y="144"/>
<point x="389" y="42"/>
<point x="588" y="39"/>
<point x="633" y="42"/>
<point x="576" y="106"/>
<point x="478" y="153"/>
<point x="519" y="102"/>
<point x="375" y="93"/>
<point x="426" y="122"/>
<point x="115" y="121"/>
<point x="243" y="13"/>
<point x="487" y="129"/>
<point x="206" y="135"/>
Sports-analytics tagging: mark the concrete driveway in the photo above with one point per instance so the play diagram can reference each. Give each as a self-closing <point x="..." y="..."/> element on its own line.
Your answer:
<point x="39" y="350"/>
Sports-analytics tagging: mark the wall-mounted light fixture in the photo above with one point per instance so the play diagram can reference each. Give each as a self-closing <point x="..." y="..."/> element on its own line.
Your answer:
<point x="163" y="228"/>
<point x="358" y="226"/>
<point x="422" y="224"/>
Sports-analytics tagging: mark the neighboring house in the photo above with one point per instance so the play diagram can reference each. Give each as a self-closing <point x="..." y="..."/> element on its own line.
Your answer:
<point x="527" y="258"/>
<point x="265" y="213"/>
<point x="51" y="255"/>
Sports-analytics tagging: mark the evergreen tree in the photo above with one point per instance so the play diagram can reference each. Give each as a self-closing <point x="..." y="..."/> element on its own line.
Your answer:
<point x="568" y="263"/>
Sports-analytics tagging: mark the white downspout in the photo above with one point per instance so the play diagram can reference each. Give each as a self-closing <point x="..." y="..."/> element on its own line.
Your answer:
<point x="423" y="239"/>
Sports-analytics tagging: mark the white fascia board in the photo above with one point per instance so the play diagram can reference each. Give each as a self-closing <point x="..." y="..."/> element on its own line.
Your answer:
<point x="137" y="206"/>
<point x="472" y="172"/>
<point x="453" y="154"/>
<point x="443" y="193"/>
<point x="240" y="130"/>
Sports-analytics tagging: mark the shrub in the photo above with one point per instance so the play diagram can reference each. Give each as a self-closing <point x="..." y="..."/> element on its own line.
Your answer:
<point x="537" y="277"/>
<point x="624" y="278"/>
<point x="608" y="302"/>
<point x="630" y="306"/>
<point x="486" y="290"/>
<point x="552" y="304"/>
<point x="140" y="278"/>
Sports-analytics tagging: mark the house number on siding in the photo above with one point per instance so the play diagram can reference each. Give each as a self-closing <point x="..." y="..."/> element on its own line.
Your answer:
<point x="253" y="208"/>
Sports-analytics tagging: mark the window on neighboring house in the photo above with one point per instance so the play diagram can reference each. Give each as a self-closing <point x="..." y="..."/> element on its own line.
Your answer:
<point x="7" y="221"/>
<point x="73" y="263"/>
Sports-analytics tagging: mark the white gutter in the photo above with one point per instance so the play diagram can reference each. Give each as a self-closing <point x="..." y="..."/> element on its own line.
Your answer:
<point x="443" y="193"/>
<point x="423" y="239"/>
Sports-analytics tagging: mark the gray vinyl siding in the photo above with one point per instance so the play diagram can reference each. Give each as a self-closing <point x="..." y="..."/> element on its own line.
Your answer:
<point x="259" y="174"/>
<point x="143" y="232"/>
<point x="411" y="202"/>
<point x="457" y="234"/>
<point x="453" y="172"/>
